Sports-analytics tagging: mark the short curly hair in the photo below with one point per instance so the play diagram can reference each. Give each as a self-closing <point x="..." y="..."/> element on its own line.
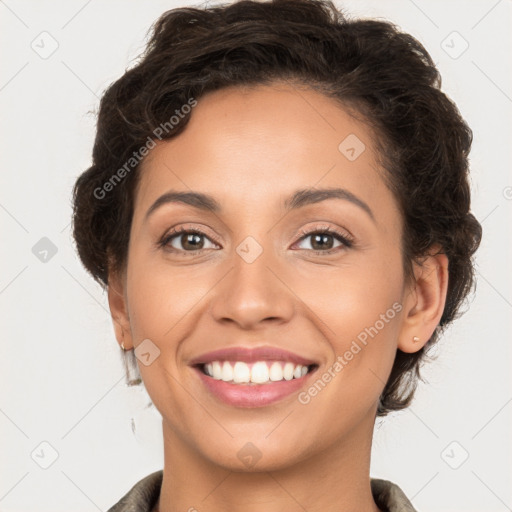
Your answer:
<point x="373" y="69"/>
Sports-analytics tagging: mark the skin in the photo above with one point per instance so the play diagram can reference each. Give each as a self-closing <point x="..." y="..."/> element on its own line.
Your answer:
<point x="251" y="149"/>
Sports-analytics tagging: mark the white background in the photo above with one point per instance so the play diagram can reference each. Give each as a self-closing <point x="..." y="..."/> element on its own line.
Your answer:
<point x="61" y="373"/>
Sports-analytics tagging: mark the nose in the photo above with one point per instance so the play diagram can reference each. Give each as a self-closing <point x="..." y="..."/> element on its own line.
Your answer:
<point x="252" y="294"/>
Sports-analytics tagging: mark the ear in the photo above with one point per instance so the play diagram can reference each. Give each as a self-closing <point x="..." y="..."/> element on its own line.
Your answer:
<point x="425" y="301"/>
<point x="117" y="302"/>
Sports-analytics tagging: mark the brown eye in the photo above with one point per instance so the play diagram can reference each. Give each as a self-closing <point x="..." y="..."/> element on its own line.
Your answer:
<point x="183" y="240"/>
<point x="191" y="241"/>
<point x="321" y="241"/>
<point x="324" y="240"/>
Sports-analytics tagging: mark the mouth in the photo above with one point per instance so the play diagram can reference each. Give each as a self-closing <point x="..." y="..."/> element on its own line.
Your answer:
<point x="257" y="373"/>
<point x="255" y="377"/>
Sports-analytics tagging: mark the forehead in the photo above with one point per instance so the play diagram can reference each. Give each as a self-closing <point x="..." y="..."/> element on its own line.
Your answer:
<point x="254" y="144"/>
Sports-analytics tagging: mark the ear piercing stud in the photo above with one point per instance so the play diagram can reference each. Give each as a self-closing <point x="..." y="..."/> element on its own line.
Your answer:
<point x="415" y="339"/>
<point x="122" y="345"/>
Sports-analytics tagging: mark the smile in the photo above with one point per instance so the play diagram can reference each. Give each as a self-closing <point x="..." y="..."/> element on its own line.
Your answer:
<point x="259" y="372"/>
<point x="252" y="376"/>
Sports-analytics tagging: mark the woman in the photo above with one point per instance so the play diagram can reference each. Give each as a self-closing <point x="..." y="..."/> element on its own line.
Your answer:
<point x="279" y="209"/>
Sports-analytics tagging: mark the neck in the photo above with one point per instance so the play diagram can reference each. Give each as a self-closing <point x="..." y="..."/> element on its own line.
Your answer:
<point x="334" y="480"/>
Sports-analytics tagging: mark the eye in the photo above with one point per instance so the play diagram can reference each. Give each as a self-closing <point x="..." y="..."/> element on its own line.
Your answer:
<point x="186" y="240"/>
<point x="193" y="241"/>
<point x="323" y="239"/>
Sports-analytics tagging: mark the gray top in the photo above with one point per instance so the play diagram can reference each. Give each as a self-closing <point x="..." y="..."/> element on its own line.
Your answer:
<point x="143" y="496"/>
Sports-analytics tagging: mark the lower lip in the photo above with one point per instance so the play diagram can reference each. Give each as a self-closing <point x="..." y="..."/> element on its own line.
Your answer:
<point x="252" y="395"/>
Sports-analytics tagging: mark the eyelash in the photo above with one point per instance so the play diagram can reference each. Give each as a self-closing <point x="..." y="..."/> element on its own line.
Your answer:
<point x="346" y="240"/>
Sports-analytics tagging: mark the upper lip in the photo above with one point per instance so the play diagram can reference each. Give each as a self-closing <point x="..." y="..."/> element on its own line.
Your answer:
<point x="251" y="355"/>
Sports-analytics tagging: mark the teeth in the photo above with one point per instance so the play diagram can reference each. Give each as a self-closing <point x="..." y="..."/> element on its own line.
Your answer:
<point x="217" y="370"/>
<point x="241" y="372"/>
<point x="260" y="372"/>
<point x="227" y="372"/>
<point x="288" y="371"/>
<point x="275" y="372"/>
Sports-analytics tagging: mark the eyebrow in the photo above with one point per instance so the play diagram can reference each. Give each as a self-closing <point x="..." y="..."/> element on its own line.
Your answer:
<point x="298" y="199"/>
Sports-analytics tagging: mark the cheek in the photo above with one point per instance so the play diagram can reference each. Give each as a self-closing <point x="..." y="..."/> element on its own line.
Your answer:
<point x="164" y="304"/>
<point x="160" y="297"/>
<point x="359" y="308"/>
<point x="352" y="298"/>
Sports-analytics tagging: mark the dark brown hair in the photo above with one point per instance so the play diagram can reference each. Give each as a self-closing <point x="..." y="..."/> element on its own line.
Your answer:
<point x="371" y="67"/>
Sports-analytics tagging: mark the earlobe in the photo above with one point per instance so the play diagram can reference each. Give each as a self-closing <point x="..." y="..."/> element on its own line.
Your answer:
<point x="119" y="313"/>
<point x="424" y="304"/>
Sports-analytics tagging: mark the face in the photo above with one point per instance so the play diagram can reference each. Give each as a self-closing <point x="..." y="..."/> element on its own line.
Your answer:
<point x="278" y="277"/>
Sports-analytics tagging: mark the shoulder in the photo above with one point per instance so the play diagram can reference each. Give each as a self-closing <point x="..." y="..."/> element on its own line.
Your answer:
<point x="142" y="497"/>
<point x="389" y="497"/>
